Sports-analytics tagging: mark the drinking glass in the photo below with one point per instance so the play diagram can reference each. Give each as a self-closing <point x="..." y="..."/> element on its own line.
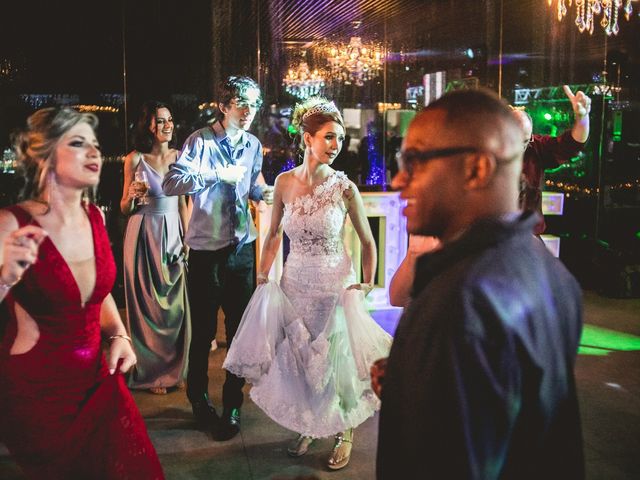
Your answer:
<point x="142" y="185"/>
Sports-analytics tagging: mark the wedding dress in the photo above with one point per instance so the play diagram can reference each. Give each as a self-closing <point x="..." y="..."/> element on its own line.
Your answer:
<point x="306" y="345"/>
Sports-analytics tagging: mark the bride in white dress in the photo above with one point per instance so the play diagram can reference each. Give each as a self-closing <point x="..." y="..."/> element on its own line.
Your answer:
<point x="307" y="344"/>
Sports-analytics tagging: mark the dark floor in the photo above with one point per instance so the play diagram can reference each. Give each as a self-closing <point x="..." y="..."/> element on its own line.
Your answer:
<point x="608" y="377"/>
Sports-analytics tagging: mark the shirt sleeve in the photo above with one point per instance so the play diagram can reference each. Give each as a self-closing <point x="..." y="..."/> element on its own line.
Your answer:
<point x="554" y="151"/>
<point x="187" y="175"/>
<point x="255" y="191"/>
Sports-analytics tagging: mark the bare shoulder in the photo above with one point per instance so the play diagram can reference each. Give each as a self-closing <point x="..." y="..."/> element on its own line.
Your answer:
<point x="286" y="186"/>
<point x="8" y="221"/>
<point x="284" y="179"/>
<point x="132" y="159"/>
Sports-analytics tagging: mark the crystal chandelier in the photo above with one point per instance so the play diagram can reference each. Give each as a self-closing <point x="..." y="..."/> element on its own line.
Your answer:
<point x="302" y="82"/>
<point x="355" y="62"/>
<point x="586" y="10"/>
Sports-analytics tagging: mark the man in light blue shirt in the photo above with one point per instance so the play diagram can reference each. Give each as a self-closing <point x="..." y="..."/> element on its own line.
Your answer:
<point x="218" y="167"/>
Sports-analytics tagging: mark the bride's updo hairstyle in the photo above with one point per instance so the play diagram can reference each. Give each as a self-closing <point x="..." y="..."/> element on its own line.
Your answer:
<point x="35" y="145"/>
<point x="311" y="114"/>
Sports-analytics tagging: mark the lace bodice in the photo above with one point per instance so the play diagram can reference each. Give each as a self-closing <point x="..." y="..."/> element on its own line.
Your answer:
<point x="314" y="222"/>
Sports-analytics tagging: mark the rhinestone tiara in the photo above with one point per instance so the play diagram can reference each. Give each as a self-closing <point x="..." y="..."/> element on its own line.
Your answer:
<point x="328" y="107"/>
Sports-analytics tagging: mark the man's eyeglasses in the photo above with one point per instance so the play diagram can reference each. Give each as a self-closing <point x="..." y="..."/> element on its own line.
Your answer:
<point x="243" y="104"/>
<point x="408" y="159"/>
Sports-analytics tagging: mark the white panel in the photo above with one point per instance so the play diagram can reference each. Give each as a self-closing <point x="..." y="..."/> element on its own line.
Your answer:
<point x="552" y="203"/>
<point x="552" y="243"/>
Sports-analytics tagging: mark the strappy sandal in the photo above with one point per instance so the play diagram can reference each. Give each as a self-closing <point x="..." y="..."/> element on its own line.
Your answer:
<point x="158" y="390"/>
<point x="341" y="453"/>
<point x="299" y="446"/>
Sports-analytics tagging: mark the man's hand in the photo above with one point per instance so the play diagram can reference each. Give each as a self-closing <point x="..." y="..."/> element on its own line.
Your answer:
<point x="267" y="194"/>
<point x="378" y="370"/>
<point x="580" y="103"/>
<point x="232" y="174"/>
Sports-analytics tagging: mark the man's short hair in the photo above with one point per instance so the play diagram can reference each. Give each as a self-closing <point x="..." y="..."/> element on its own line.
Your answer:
<point x="235" y="87"/>
<point x="478" y="115"/>
<point x="461" y="104"/>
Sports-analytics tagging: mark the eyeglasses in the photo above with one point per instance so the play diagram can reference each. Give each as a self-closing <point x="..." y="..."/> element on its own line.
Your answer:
<point x="408" y="159"/>
<point x="243" y="104"/>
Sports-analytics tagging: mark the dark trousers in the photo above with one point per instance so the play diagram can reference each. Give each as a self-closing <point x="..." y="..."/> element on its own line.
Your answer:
<point x="219" y="278"/>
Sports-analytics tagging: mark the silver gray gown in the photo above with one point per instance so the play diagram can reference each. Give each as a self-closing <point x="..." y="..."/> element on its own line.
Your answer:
<point x="156" y="289"/>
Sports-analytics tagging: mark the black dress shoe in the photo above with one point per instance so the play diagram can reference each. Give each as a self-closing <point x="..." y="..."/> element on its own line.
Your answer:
<point x="228" y="426"/>
<point x="205" y="415"/>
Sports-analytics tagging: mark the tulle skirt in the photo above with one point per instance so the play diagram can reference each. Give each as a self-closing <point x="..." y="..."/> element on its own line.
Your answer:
<point x="314" y="386"/>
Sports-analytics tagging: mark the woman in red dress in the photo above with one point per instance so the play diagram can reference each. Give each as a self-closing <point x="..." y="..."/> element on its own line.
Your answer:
<point x="65" y="411"/>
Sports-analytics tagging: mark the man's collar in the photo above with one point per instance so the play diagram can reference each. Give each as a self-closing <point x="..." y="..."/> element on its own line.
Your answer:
<point x="479" y="236"/>
<point x="221" y="134"/>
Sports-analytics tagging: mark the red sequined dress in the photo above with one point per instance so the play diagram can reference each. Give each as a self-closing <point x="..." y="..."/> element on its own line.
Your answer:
<point x="61" y="414"/>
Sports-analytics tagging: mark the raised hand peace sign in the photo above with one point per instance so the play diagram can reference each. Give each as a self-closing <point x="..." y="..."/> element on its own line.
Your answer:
<point x="580" y="102"/>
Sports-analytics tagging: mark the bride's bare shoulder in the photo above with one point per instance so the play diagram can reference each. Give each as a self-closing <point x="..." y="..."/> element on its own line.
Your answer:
<point x="285" y="179"/>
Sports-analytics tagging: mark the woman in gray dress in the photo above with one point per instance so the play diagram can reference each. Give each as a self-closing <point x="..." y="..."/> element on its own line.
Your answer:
<point x="154" y="256"/>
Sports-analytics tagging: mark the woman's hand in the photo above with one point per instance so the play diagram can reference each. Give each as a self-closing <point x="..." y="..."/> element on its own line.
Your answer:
<point x="120" y="349"/>
<point x="262" y="278"/>
<point x="365" y="287"/>
<point x="137" y="190"/>
<point x="19" y="252"/>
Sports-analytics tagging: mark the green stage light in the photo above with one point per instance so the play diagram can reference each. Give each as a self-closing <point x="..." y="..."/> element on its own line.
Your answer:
<point x="617" y="126"/>
<point x="602" y="341"/>
<point x="547" y="116"/>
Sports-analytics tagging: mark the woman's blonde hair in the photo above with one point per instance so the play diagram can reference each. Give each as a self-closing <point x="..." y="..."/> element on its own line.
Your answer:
<point x="35" y="145"/>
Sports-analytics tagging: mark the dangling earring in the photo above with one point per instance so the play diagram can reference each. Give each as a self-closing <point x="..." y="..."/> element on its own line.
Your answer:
<point x="85" y="197"/>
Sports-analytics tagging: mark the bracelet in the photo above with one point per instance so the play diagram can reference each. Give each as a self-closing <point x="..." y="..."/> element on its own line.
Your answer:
<point x="7" y="286"/>
<point x="262" y="276"/>
<point x="126" y="337"/>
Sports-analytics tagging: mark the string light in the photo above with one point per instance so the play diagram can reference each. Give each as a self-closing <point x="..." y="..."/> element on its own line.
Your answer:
<point x="96" y="108"/>
<point x="575" y="189"/>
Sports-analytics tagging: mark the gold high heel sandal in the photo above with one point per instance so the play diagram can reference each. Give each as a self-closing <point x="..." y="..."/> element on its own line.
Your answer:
<point x="341" y="453"/>
<point x="299" y="446"/>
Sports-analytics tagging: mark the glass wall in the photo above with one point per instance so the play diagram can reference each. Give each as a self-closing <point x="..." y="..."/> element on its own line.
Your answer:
<point x="381" y="61"/>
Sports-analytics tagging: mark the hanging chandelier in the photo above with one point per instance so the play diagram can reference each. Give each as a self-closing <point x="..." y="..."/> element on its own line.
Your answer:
<point x="586" y="10"/>
<point x="302" y="82"/>
<point x="355" y="62"/>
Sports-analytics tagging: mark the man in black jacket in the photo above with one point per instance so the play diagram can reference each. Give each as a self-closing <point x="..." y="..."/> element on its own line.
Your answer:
<point x="479" y="383"/>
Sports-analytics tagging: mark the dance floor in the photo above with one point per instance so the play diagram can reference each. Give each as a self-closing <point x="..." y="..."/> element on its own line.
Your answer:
<point x="608" y="377"/>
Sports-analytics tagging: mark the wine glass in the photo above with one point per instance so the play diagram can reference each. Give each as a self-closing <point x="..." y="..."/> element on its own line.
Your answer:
<point x="142" y="185"/>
